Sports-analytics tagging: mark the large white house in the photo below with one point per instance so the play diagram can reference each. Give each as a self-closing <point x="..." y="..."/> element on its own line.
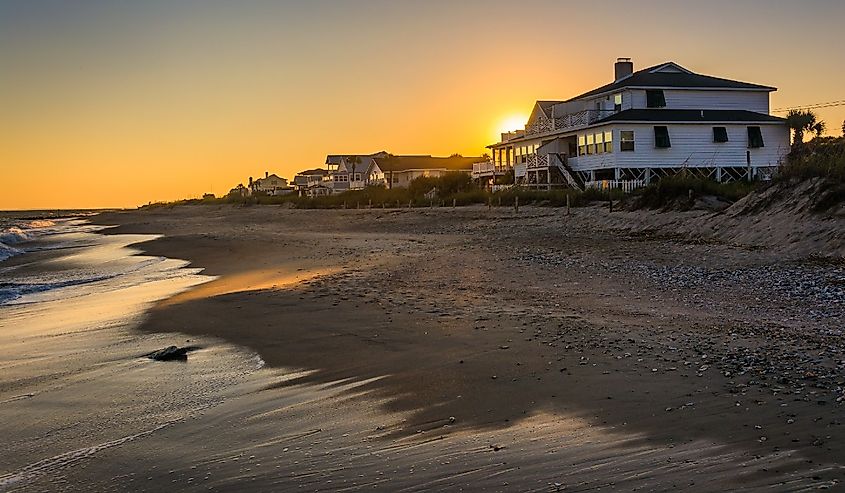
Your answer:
<point x="644" y="125"/>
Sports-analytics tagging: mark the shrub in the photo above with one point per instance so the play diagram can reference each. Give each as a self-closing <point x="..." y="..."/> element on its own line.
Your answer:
<point x="676" y="190"/>
<point x="822" y="157"/>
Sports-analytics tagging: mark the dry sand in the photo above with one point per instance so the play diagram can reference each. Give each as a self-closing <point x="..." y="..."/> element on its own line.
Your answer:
<point x="448" y="349"/>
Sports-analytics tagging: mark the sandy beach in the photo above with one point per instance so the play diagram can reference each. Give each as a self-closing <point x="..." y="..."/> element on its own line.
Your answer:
<point x="467" y="349"/>
<point x="433" y="349"/>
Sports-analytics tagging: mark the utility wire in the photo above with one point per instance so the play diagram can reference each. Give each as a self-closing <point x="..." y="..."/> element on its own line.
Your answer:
<point x="814" y="106"/>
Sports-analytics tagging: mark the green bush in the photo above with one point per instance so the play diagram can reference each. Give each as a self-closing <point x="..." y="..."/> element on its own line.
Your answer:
<point x="822" y="157"/>
<point x="676" y="190"/>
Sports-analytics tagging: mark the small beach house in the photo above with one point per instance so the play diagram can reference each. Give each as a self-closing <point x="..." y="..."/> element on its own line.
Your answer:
<point x="270" y="185"/>
<point x="645" y="124"/>
<point x="400" y="171"/>
<point x="355" y="172"/>
<point x="311" y="183"/>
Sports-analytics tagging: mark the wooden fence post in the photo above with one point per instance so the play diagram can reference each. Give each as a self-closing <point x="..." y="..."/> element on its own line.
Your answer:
<point x="567" y="204"/>
<point x="516" y="204"/>
<point x="454" y="203"/>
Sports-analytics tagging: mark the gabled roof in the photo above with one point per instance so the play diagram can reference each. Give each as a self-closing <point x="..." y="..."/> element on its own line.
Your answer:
<point x="670" y="74"/>
<point x="690" y="116"/>
<point x="313" y="172"/>
<point x="404" y="163"/>
<point x="365" y="165"/>
<point x="544" y="107"/>
<point x="274" y="175"/>
<point x="337" y="158"/>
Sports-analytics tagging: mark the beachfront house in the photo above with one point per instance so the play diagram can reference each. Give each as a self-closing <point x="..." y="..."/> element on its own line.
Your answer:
<point x="353" y="171"/>
<point x="400" y="171"/>
<point x="270" y="185"/>
<point x="311" y="183"/>
<point x="642" y="126"/>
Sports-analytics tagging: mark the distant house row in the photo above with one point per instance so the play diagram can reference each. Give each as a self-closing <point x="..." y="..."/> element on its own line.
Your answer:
<point x="345" y="172"/>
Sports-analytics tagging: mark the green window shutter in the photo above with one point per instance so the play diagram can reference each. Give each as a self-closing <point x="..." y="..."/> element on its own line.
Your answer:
<point x="655" y="98"/>
<point x="720" y="134"/>
<point x="661" y="138"/>
<point x="755" y="138"/>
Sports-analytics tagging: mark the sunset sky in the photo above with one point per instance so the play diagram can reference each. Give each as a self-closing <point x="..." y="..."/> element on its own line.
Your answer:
<point x="118" y="103"/>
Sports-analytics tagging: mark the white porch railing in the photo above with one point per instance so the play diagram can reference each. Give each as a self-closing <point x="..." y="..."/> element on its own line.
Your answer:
<point x="486" y="168"/>
<point x="551" y="161"/>
<point x="572" y="120"/>
<point x="536" y="161"/>
<point x="626" y="186"/>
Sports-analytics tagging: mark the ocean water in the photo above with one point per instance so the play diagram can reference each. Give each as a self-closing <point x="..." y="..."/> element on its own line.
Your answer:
<point x="74" y="381"/>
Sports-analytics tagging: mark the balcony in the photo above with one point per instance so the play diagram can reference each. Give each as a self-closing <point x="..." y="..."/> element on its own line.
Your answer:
<point x="566" y="122"/>
<point x="488" y="169"/>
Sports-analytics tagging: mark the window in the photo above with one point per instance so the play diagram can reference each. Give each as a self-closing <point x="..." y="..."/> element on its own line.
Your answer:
<point x="755" y="137"/>
<point x="654" y="98"/>
<point x="591" y="143"/>
<point x="661" y="138"/>
<point x="608" y="142"/>
<point x="626" y="140"/>
<point x="599" y="143"/>
<point x="582" y="145"/>
<point x="357" y="176"/>
<point x="617" y="102"/>
<point x="720" y="134"/>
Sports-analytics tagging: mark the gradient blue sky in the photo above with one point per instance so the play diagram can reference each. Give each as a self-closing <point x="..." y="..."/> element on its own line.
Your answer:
<point x="122" y="102"/>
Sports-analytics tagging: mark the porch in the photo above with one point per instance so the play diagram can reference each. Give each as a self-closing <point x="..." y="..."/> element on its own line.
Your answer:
<point x="544" y="125"/>
<point x="545" y="172"/>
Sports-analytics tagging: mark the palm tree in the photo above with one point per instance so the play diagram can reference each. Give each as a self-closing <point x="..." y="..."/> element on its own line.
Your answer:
<point x="354" y="161"/>
<point x="843" y="128"/>
<point x="819" y="128"/>
<point x="801" y="121"/>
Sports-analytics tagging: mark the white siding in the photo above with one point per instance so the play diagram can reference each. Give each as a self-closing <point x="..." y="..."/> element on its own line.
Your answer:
<point x="597" y="161"/>
<point x="628" y="99"/>
<point x="638" y="99"/>
<point x="692" y="145"/>
<point x="689" y="99"/>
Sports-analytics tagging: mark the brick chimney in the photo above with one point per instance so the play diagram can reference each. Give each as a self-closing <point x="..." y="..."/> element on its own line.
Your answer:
<point x="622" y="68"/>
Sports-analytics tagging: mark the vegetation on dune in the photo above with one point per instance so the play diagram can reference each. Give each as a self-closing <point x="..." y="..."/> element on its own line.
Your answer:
<point x="683" y="190"/>
<point x="801" y="122"/>
<point x="822" y="157"/>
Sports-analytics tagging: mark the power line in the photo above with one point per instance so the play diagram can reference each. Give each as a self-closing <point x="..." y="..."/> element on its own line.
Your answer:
<point x="815" y="106"/>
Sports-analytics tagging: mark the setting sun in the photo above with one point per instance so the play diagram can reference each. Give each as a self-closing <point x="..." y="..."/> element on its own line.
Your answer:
<point x="511" y="123"/>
